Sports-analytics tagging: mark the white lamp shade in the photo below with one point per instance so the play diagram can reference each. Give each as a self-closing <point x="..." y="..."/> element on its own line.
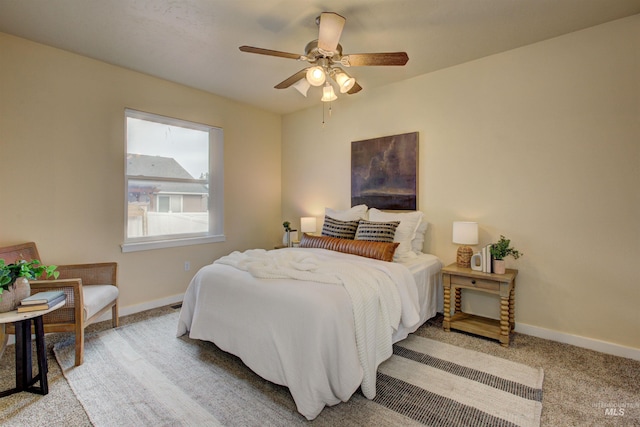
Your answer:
<point x="308" y="224"/>
<point x="345" y="82"/>
<point x="302" y="86"/>
<point x="465" y="233"/>
<point x="328" y="94"/>
<point x="316" y="76"/>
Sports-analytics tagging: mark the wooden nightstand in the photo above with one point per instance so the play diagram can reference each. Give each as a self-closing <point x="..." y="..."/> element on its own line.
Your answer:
<point x="457" y="278"/>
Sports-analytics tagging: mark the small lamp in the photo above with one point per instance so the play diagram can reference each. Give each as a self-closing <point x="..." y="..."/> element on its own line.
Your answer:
<point x="308" y="224"/>
<point x="465" y="233"/>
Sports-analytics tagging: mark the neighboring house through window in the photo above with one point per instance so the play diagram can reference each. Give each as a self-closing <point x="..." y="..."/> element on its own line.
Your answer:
<point x="173" y="176"/>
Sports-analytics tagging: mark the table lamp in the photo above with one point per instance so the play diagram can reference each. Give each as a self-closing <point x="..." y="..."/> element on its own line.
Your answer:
<point x="465" y="233"/>
<point x="308" y="224"/>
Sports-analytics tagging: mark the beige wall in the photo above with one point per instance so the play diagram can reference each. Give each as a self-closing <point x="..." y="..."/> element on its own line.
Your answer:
<point x="541" y="144"/>
<point x="62" y="165"/>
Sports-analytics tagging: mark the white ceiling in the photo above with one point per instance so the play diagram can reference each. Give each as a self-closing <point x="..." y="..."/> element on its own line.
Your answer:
<point x="195" y="42"/>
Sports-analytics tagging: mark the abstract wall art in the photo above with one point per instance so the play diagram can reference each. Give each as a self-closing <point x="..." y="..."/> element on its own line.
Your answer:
<point x="384" y="172"/>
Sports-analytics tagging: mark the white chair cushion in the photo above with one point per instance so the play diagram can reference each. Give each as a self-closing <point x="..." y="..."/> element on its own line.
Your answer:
<point x="96" y="297"/>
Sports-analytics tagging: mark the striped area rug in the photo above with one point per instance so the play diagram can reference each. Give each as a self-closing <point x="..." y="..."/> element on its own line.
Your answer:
<point x="439" y="384"/>
<point x="141" y="374"/>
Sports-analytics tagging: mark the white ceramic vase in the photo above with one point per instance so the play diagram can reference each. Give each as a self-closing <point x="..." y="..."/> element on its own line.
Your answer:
<point x="7" y="301"/>
<point x="17" y="292"/>
<point x="289" y="237"/>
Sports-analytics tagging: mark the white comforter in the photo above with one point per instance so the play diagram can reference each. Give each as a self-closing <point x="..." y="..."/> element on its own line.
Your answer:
<point x="316" y="321"/>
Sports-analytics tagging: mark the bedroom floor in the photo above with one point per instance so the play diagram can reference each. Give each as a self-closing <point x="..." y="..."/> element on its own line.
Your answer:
<point x="579" y="385"/>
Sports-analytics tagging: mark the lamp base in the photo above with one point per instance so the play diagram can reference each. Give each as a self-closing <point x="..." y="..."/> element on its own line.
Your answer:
<point x="464" y="257"/>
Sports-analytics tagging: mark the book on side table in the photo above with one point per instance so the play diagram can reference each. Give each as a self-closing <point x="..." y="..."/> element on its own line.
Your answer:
<point x="41" y="301"/>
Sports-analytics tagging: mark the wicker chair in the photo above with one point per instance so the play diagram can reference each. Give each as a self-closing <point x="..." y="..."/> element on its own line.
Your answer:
<point x="91" y="290"/>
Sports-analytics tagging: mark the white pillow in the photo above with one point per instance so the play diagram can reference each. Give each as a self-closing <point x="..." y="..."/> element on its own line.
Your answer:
<point x="353" y="214"/>
<point x="405" y="232"/>
<point x="417" y="244"/>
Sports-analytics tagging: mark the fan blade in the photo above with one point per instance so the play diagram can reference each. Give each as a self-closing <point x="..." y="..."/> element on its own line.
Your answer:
<point x="261" y="51"/>
<point x="355" y="89"/>
<point x="360" y="59"/>
<point x="291" y="80"/>
<point x="331" y="25"/>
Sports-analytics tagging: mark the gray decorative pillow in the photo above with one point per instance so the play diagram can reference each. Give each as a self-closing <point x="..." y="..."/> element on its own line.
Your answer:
<point x="376" y="231"/>
<point x="340" y="229"/>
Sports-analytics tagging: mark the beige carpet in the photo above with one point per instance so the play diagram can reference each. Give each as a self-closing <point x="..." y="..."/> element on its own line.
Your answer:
<point x="142" y="375"/>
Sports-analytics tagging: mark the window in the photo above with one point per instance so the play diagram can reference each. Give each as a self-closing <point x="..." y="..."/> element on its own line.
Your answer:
<point x="173" y="182"/>
<point x="172" y="203"/>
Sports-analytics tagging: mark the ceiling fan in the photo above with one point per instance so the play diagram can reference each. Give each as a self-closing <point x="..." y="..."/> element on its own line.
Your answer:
<point x="325" y="56"/>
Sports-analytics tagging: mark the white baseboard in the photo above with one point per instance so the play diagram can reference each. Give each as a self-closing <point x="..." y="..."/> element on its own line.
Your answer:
<point x="147" y="305"/>
<point x="579" y="341"/>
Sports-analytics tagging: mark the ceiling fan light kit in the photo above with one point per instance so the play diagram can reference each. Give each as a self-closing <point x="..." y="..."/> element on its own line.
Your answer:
<point x="344" y="80"/>
<point x="302" y="86"/>
<point x="324" y="54"/>
<point x="328" y="94"/>
<point x="316" y="76"/>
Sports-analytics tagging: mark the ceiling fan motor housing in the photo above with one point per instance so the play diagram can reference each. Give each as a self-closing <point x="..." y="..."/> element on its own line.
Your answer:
<point x="313" y="52"/>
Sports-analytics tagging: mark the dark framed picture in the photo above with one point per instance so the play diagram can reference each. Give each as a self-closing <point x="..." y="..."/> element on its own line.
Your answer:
<point x="384" y="172"/>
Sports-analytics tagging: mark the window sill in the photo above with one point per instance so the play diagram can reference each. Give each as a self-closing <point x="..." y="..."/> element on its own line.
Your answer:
<point x="162" y="244"/>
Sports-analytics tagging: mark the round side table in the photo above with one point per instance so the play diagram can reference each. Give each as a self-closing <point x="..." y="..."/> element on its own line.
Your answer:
<point x="24" y="377"/>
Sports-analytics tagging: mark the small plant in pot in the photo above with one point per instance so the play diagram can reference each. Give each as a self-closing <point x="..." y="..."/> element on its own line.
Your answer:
<point x="501" y="250"/>
<point x="14" y="280"/>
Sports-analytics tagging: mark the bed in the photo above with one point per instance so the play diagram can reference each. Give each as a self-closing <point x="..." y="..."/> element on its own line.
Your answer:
<point x="291" y="315"/>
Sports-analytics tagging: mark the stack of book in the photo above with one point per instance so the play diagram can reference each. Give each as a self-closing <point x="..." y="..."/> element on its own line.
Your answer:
<point x="41" y="301"/>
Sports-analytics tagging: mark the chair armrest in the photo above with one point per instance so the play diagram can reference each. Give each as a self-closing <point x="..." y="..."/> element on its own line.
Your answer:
<point x="71" y="287"/>
<point x="104" y="273"/>
<point x="57" y="284"/>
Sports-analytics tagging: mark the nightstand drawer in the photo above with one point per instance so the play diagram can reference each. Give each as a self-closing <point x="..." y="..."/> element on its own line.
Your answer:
<point x="470" y="282"/>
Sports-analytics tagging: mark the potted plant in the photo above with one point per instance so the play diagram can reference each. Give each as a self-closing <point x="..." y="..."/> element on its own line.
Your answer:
<point x="14" y="280"/>
<point x="501" y="250"/>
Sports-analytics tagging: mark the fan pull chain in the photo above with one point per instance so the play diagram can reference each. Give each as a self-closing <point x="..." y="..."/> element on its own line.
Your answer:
<point x="330" y="111"/>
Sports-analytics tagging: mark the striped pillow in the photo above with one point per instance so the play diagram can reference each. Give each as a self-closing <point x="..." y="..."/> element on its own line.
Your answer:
<point x="376" y="231"/>
<point x="340" y="229"/>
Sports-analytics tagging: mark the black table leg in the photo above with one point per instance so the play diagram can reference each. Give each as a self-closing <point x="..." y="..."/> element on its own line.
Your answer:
<point x="41" y="348"/>
<point x="24" y="374"/>
<point x="23" y="354"/>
